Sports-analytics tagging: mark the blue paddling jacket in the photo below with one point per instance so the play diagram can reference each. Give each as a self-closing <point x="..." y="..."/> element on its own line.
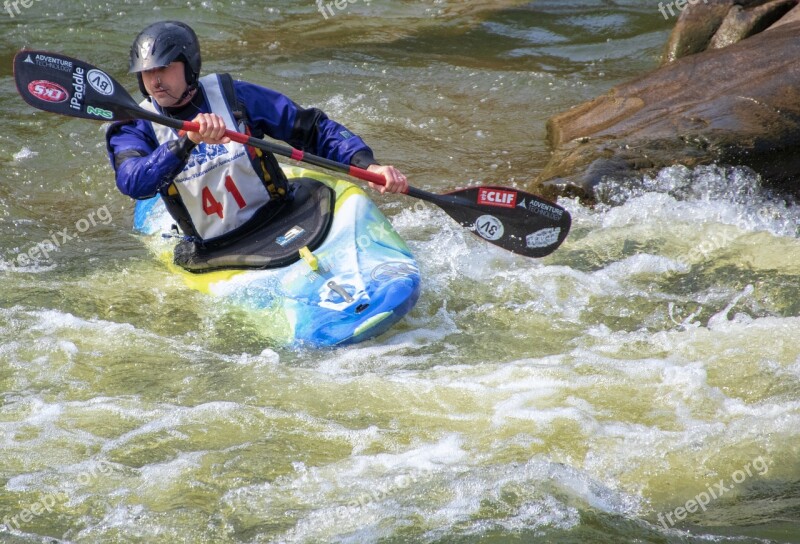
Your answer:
<point x="145" y="164"/>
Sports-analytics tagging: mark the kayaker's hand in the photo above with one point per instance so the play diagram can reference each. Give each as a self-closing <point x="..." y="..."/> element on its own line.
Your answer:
<point x="212" y="129"/>
<point x="396" y="182"/>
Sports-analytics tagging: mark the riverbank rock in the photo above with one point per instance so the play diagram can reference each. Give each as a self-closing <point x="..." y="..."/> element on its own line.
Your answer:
<point x="714" y="24"/>
<point x="728" y="93"/>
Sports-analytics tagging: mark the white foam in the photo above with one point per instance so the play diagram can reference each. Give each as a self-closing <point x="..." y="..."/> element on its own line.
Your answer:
<point x="705" y="195"/>
<point x="157" y="476"/>
<point x="24" y="154"/>
<point x="590" y="382"/>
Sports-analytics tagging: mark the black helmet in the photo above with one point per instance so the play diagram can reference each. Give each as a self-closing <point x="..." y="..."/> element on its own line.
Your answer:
<point x="162" y="43"/>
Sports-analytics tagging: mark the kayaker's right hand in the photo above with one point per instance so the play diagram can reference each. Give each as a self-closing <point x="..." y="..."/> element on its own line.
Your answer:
<point x="396" y="181"/>
<point x="212" y="129"/>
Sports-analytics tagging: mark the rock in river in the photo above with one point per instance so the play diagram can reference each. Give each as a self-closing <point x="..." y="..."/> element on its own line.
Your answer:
<point x="727" y="93"/>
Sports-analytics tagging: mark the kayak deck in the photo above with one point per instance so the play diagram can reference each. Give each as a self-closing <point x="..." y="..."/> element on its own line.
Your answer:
<point x="360" y="281"/>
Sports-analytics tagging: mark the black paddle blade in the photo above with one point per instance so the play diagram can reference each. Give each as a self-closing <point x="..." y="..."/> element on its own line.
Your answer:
<point x="514" y="220"/>
<point x="59" y="84"/>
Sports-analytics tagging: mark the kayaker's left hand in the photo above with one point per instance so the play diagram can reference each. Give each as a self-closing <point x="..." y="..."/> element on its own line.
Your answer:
<point x="396" y="182"/>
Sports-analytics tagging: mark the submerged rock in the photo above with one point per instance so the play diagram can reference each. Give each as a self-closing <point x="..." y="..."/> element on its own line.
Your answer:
<point x="728" y="93"/>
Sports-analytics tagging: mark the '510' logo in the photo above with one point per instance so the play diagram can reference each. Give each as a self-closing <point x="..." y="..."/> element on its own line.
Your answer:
<point x="48" y="91"/>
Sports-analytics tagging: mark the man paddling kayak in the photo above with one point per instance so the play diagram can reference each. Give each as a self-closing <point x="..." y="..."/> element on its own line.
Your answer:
<point x="214" y="188"/>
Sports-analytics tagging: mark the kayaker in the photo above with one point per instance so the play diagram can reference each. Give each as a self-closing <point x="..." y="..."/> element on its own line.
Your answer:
<point x="215" y="188"/>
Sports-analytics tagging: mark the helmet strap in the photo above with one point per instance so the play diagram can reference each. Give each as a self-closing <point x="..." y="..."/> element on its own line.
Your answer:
<point x="187" y="92"/>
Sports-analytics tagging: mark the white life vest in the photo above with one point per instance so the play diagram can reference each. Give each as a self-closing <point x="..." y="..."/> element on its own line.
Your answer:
<point x="218" y="186"/>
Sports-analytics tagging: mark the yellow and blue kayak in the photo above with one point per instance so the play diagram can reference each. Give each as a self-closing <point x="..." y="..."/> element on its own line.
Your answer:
<point x="353" y="285"/>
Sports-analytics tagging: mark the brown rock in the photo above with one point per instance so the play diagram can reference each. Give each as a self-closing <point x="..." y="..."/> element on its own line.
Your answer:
<point x="722" y="21"/>
<point x="739" y="105"/>
<point x="696" y="25"/>
<point x="742" y="23"/>
<point x="791" y="17"/>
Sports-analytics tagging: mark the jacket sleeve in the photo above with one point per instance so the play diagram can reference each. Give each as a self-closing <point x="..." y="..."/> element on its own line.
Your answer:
<point x="307" y="129"/>
<point x="143" y="167"/>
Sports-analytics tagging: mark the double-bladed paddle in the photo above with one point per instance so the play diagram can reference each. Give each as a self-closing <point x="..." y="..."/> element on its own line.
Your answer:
<point x="514" y="220"/>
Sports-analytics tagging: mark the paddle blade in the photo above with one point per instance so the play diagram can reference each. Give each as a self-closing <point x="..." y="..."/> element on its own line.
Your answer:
<point x="59" y="84"/>
<point x="514" y="220"/>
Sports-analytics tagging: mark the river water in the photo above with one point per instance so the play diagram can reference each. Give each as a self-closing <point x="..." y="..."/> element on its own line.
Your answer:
<point x="641" y="384"/>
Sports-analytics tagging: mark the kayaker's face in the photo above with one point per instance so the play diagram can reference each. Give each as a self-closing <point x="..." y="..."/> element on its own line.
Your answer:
<point x="166" y="85"/>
